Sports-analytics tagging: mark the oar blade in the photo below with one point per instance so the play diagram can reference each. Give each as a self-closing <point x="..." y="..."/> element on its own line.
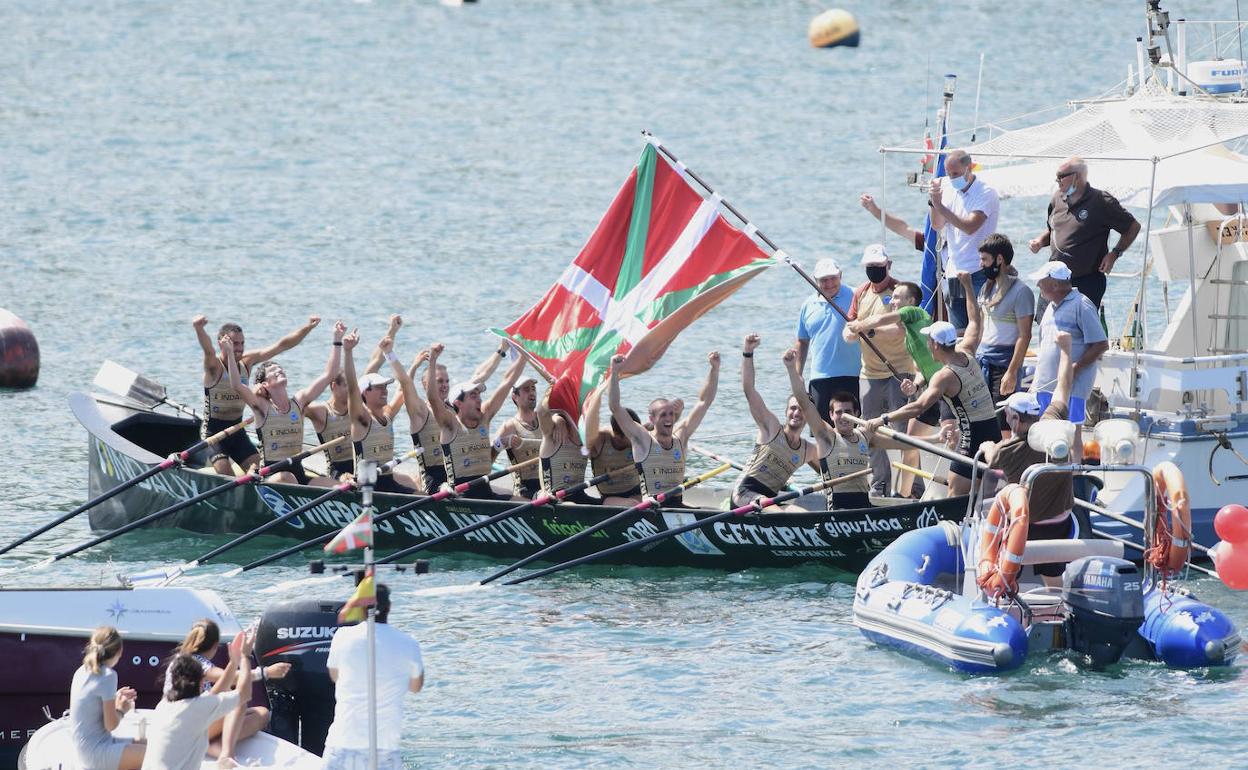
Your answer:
<point x="117" y="379"/>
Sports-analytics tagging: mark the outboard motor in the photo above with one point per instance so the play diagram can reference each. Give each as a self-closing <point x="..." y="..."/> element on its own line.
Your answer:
<point x="298" y="632"/>
<point x="1106" y="602"/>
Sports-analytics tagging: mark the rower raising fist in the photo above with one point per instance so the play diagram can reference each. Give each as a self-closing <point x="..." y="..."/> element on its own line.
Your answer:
<point x="313" y="320"/>
<point x="199" y="321"/>
<point x="713" y="359"/>
<point x="386" y="345"/>
<point x="436" y="349"/>
<point x="751" y="343"/>
<point x="340" y="330"/>
<point x="396" y="321"/>
<point x="790" y="358"/>
<point x="349" y="341"/>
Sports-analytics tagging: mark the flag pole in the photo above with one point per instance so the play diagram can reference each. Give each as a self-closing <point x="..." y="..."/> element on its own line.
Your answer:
<point x="369" y="473"/>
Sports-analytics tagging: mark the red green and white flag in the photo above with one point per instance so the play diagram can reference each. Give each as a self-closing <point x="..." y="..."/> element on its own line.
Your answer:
<point x="357" y="534"/>
<point x="661" y="257"/>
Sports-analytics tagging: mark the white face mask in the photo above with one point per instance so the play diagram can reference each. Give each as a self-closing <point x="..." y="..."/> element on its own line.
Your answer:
<point x="1070" y="192"/>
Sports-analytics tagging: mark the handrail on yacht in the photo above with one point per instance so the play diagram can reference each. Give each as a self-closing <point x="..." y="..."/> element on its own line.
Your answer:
<point x="1163" y="359"/>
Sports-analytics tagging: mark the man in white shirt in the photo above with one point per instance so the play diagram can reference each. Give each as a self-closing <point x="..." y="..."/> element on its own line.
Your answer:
<point x="400" y="670"/>
<point x="966" y="209"/>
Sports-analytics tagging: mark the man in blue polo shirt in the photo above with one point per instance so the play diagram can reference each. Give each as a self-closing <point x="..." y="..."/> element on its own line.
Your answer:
<point x="1071" y="312"/>
<point x="834" y="363"/>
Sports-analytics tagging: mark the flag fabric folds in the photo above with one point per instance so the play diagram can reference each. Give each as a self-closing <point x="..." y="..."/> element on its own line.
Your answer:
<point x="660" y="258"/>
<point x="365" y="596"/>
<point x="930" y="275"/>
<point x="357" y="534"/>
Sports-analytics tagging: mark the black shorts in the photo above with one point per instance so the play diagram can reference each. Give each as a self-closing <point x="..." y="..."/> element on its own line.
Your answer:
<point x="580" y="497"/>
<point x="1058" y="530"/>
<point x="434" y="476"/>
<point x="235" y="446"/>
<point x="482" y="491"/>
<point x="848" y="501"/>
<point x="633" y="492"/>
<point x="526" y="488"/>
<point x="969" y="441"/>
<point x="342" y="466"/>
<point x="748" y="490"/>
<point x="387" y="483"/>
<point x="299" y="473"/>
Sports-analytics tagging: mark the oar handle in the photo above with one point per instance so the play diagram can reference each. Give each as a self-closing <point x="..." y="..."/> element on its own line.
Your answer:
<point x="861" y="338"/>
<point x="590" y="530"/>
<point x="942" y="480"/>
<point x="215" y="438"/>
<point x="939" y="451"/>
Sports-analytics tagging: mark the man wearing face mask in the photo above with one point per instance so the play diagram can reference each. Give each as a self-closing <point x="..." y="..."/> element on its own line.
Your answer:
<point x="1079" y="220"/>
<point x="879" y="388"/>
<point x="966" y="209"/>
<point x="1008" y="306"/>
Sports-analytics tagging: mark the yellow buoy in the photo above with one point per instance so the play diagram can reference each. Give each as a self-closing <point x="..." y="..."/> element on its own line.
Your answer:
<point x="833" y="28"/>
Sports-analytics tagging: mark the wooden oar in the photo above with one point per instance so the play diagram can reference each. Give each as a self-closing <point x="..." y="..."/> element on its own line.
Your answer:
<point x="940" y="451"/>
<point x="173" y="460"/>
<point x="644" y="505"/>
<point x="422" y="500"/>
<point x="285" y="517"/>
<point x="542" y="498"/>
<point x="926" y="475"/>
<point x="757" y="505"/>
<point x="250" y="478"/>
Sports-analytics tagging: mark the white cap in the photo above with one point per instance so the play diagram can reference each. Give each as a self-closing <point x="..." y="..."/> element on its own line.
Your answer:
<point x="523" y="381"/>
<point x="1024" y="403"/>
<point x="1054" y="269"/>
<point x="460" y="390"/>
<point x="374" y="380"/>
<point x="826" y="267"/>
<point x="941" y="332"/>
<point x="874" y="254"/>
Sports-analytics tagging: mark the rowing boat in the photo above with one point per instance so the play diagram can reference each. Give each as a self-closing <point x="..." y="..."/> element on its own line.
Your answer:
<point x="125" y="439"/>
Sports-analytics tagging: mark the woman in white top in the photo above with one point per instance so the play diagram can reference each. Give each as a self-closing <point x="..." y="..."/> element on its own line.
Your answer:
<point x="200" y="645"/>
<point x="96" y="707"/>
<point x="178" y="736"/>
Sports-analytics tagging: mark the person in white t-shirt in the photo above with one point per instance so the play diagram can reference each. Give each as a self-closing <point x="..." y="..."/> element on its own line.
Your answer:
<point x="966" y="209"/>
<point x="400" y="670"/>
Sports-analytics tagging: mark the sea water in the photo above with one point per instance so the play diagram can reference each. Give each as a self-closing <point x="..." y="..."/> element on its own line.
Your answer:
<point x="260" y="162"/>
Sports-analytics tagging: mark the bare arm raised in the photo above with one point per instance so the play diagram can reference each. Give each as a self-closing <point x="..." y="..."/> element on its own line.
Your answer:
<point x="499" y="396"/>
<point x="212" y="364"/>
<point x="818" y="426"/>
<point x="355" y="402"/>
<point x="768" y="425"/>
<point x="252" y="357"/>
<point x="259" y="406"/>
<point x="378" y="356"/>
<point x="684" y="431"/>
<point x="638" y="435"/>
<point x="317" y="386"/>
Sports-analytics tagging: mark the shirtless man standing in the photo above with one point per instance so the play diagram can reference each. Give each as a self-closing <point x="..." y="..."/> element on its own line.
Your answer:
<point x="279" y="416"/>
<point x="223" y="406"/>
<point x="660" y="453"/>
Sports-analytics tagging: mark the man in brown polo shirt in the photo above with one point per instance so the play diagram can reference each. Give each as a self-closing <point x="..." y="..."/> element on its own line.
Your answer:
<point x="1079" y="220"/>
<point x="1051" y="495"/>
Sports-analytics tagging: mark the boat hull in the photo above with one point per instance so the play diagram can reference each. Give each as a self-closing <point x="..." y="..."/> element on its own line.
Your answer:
<point x="845" y="540"/>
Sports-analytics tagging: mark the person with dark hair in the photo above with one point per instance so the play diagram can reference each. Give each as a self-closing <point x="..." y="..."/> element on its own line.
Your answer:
<point x="1008" y="308"/>
<point x="200" y="645"/>
<point x="279" y="416"/>
<point x="610" y="451"/>
<point x="779" y="449"/>
<point x="97" y="705"/>
<point x="960" y="383"/>
<point x="521" y="438"/>
<point x="399" y="670"/>
<point x="178" y="737"/>
<point x="563" y="456"/>
<point x="841" y="448"/>
<point x="467" y="452"/>
<point x="223" y="406"/>
<point x="372" y="417"/>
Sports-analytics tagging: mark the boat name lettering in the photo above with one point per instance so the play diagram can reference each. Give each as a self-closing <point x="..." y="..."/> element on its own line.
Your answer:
<point x="508" y="530"/>
<point x="568" y="530"/>
<point x="424" y="523"/>
<point x="741" y="533"/>
<point x="17" y="735"/>
<point x="124" y="468"/>
<point x="864" y="526"/>
<point x="306" y="632"/>
<point x="640" y="530"/>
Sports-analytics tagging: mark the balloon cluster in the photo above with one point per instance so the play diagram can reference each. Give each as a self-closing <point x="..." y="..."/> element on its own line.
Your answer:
<point x="1231" y="555"/>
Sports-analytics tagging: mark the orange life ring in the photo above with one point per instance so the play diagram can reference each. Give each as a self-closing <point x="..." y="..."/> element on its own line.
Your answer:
<point x="998" y="568"/>
<point x="1172" y="536"/>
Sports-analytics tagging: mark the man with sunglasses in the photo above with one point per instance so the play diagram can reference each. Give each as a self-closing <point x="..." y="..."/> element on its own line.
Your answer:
<point x="1078" y="224"/>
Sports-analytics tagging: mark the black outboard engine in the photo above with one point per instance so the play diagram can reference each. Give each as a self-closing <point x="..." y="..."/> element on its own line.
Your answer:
<point x="298" y="632"/>
<point x="1106" y="601"/>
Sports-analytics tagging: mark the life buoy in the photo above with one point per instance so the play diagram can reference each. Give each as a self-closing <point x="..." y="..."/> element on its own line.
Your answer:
<point x="998" y="568"/>
<point x="1172" y="535"/>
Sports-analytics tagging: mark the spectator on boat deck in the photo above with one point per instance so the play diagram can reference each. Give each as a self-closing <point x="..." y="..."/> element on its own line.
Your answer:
<point x="966" y="209"/>
<point x="893" y="222"/>
<point x="400" y="670"/>
<point x="1077" y="229"/>
<point x="1051" y="496"/>
<point x="200" y="645"/>
<point x="222" y="405"/>
<point x="177" y="739"/>
<point x="1069" y="311"/>
<point x="834" y="361"/>
<point x="1008" y="306"/>
<point x="879" y="390"/>
<point x="96" y="706"/>
<point x="279" y="416"/>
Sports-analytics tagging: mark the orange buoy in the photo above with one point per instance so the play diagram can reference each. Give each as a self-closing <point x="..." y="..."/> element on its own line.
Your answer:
<point x="833" y="28"/>
<point x="19" y="353"/>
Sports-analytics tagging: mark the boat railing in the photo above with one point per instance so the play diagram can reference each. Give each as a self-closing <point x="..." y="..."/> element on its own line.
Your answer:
<point x="1179" y="385"/>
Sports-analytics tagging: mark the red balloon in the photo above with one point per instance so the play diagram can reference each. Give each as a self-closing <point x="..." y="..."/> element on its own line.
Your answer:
<point x="1232" y="563"/>
<point x="1231" y="523"/>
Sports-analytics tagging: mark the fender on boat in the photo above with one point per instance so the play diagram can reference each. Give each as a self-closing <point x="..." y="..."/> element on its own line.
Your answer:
<point x="1187" y="633"/>
<point x="899" y="603"/>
